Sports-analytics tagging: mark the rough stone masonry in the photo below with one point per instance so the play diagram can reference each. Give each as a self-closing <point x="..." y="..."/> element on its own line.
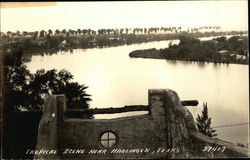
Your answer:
<point x="167" y="131"/>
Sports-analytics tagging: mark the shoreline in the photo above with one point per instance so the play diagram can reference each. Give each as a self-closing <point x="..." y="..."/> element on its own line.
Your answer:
<point x="27" y="54"/>
<point x="218" y="50"/>
<point x="189" y="61"/>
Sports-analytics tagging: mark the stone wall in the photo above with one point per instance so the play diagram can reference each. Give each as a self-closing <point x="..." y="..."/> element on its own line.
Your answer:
<point x="168" y="131"/>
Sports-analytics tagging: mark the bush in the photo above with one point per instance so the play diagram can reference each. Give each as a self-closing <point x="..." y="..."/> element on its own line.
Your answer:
<point x="204" y="122"/>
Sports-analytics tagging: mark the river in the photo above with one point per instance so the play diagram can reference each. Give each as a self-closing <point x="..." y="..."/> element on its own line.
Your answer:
<point x="116" y="80"/>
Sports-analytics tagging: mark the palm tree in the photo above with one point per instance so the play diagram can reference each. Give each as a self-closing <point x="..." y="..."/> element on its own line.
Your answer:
<point x="42" y="33"/>
<point x="35" y="35"/>
<point x="99" y="32"/>
<point x="63" y="31"/>
<point x="79" y="31"/>
<point x="18" y="33"/>
<point x="67" y="34"/>
<point x="73" y="32"/>
<point x="2" y="34"/>
<point x="108" y="31"/>
<point x="104" y="31"/>
<point x="134" y="31"/>
<point x="116" y="31"/>
<point x="179" y="28"/>
<point x="127" y="30"/>
<point x="70" y="32"/>
<point x="50" y="32"/>
<point x="9" y="33"/>
<point x="93" y="32"/>
<point x="84" y="31"/>
<point x="25" y="33"/>
<point x="121" y="31"/>
<point x="141" y="30"/>
<point x="57" y="32"/>
<point x="89" y="31"/>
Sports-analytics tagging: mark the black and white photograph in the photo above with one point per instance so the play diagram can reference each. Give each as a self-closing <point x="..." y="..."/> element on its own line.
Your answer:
<point x="124" y="80"/>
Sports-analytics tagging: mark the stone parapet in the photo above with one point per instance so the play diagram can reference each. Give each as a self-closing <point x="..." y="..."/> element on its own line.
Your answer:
<point x="167" y="131"/>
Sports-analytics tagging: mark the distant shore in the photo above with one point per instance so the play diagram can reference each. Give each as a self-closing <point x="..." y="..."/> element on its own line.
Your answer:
<point x="218" y="50"/>
<point x="47" y="42"/>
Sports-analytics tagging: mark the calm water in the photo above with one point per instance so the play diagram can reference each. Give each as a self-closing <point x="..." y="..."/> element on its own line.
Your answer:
<point x="114" y="79"/>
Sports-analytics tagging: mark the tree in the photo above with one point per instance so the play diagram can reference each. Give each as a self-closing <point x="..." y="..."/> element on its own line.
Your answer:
<point x="18" y="33"/>
<point x="89" y="31"/>
<point x="48" y="82"/>
<point x="204" y="122"/>
<point x="93" y="32"/>
<point x="57" y="32"/>
<point x="84" y="31"/>
<point x="127" y="30"/>
<point x="16" y="76"/>
<point x="27" y="90"/>
<point x="25" y="33"/>
<point x="63" y="31"/>
<point x="79" y="31"/>
<point x="42" y="33"/>
<point x="145" y="30"/>
<point x="50" y="32"/>
<point x="108" y="31"/>
<point x="35" y="35"/>
<point x="9" y="33"/>
<point x="121" y="31"/>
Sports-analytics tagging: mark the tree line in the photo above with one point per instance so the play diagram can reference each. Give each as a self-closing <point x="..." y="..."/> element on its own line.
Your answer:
<point x="101" y="32"/>
<point x="53" y="41"/>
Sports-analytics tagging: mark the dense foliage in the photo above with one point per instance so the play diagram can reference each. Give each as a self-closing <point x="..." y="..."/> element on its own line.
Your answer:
<point x="194" y="49"/>
<point x="204" y="122"/>
<point x="28" y="91"/>
<point x="219" y="50"/>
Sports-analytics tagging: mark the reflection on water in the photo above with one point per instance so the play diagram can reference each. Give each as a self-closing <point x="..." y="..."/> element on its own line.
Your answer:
<point x="201" y="64"/>
<point x="114" y="79"/>
<point x="173" y="62"/>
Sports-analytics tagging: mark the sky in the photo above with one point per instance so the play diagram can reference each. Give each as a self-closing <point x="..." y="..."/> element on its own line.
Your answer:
<point x="230" y="15"/>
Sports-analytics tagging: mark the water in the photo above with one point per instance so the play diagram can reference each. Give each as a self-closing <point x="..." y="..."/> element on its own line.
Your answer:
<point x="116" y="80"/>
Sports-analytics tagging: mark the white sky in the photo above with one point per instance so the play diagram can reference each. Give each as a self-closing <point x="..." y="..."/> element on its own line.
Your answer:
<point x="73" y="15"/>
